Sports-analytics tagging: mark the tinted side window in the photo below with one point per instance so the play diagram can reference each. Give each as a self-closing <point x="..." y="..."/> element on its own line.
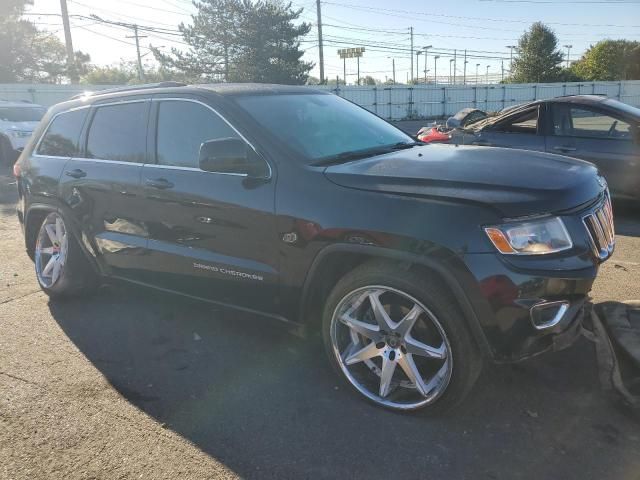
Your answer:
<point x="119" y="132"/>
<point x="61" y="138"/>
<point x="182" y="128"/>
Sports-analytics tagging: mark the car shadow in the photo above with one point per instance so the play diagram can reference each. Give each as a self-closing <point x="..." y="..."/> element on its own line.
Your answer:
<point x="626" y="217"/>
<point x="267" y="404"/>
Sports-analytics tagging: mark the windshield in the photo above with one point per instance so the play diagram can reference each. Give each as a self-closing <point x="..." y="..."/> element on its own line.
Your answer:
<point x="628" y="109"/>
<point x="321" y="126"/>
<point x="21" y="114"/>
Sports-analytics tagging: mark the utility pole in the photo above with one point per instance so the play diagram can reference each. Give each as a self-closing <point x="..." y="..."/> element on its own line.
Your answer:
<point x="477" y="65"/>
<point x="425" y="62"/>
<point x="411" y="56"/>
<point x="71" y="63"/>
<point x="418" y="52"/>
<point x="435" y="69"/>
<point x="136" y="36"/>
<point x="568" y="47"/>
<point x="320" y="43"/>
<point x="358" y="59"/>
<point x="487" y="74"/>
<point x="502" y="69"/>
<point x="464" y="70"/>
<point x="454" y="66"/>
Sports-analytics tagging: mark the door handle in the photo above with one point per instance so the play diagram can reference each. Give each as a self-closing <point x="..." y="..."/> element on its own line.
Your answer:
<point x="77" y="173"/>
<point x="565" y="149"/>
<point x="159" y="183"/>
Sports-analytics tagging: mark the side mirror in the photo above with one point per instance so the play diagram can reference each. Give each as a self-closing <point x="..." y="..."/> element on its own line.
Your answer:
<point x="231" y="155"/>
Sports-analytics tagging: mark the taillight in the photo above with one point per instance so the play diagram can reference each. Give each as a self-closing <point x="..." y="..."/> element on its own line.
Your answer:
<point x="16" y="169"/>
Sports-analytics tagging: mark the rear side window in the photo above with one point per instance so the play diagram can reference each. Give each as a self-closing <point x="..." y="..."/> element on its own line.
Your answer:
<point x="182" y="128"/>
<point x="570" y="121"/>
<point x="61" y="138"/>
<point x="119" y="132"/>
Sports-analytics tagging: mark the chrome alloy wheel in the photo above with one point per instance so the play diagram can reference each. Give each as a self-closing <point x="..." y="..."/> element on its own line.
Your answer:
<point x="51" y="250"/>
<point x="375" y="330"/>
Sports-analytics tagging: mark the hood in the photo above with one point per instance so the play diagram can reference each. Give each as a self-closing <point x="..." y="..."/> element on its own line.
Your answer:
<point x="22" y="126"/>
<point x="515" y="182"/>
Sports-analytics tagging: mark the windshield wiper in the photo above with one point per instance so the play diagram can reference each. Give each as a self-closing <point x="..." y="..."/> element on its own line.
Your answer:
<point x="358" y="154"/>
<point x="403" y="145"/>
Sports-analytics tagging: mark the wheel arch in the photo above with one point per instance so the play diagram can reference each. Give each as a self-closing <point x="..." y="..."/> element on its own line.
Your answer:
<point x="332" y="262"/>
<point x="34" y="217"/>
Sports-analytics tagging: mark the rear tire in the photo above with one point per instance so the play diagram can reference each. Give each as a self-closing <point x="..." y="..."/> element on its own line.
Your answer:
<point x="425" y="337"/>
<point x="62" y="268"/>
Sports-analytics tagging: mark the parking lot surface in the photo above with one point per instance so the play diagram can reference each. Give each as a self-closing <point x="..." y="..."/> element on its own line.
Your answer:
<point x="130" y="383"/>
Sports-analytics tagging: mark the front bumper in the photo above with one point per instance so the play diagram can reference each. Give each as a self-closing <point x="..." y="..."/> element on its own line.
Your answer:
<point x="526" y="312"/>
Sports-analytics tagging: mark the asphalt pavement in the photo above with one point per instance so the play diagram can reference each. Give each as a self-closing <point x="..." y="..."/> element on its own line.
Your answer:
<point x="130" y="383"/>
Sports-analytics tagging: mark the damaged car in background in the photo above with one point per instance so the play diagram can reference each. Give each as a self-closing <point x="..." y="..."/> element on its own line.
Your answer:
<point x="594" y="128"/>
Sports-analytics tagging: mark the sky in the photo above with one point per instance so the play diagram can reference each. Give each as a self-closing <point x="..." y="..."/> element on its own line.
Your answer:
<point x="484" y="28"/>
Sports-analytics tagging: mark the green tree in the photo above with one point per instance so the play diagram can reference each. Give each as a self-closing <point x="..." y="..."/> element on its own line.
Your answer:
<point x="126" y="72"/>
<point x="120" y="74"/>
<point x="368" y="80"/>
<point x="28" y="54"/>
<point x="538" y="58"/>
<point x="610" y="60"/>
<point x="312" y="80"/>
<point x="241" y="41"/>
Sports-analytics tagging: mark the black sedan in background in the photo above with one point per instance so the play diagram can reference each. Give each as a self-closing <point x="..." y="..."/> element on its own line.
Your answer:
<point x="589" y="127"/>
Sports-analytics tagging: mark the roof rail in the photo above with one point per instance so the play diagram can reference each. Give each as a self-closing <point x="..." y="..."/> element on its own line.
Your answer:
<point x="129" y="88"/>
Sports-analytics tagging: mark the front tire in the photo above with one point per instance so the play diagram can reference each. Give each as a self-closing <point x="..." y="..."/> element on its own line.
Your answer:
<point x="399" y="339"/>
<point x="61" y="268"/>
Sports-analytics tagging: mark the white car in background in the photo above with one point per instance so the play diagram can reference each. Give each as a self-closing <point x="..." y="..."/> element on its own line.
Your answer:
<point x="17" y="122"/>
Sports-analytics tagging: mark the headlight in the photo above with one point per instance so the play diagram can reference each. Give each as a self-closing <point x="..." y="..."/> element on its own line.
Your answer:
<point x="535" y="237"/>
<point x="21" y="133"/>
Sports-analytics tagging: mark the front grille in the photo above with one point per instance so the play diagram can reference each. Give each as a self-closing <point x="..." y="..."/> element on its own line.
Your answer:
<point x="599" y="224"/>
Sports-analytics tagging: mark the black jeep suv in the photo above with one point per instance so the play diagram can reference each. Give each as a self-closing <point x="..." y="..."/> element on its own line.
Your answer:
<point x="415" y="262"/>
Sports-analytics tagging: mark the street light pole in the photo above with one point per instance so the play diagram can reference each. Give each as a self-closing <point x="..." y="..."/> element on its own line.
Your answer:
<point x="425" y="62"/>
<point x="435" y="69"/>
<point x="511" y="47"/>
<point x="477" y="65"/>
<point x="487" y="74"/>
<point x="450" y="65"/>
<point x="464" y="71"/>
<point x="393" y="65"/>
<point x="454" y="66"/>
<point x="568" y="47"/>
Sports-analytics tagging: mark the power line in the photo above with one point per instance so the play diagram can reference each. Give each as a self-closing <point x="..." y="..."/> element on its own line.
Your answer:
<point x="501" y="20"/>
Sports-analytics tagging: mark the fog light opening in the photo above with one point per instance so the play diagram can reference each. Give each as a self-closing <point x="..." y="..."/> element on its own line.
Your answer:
<point x="548" y="314"/>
